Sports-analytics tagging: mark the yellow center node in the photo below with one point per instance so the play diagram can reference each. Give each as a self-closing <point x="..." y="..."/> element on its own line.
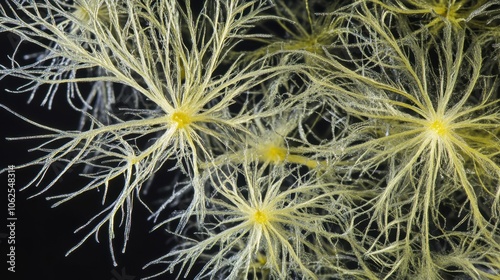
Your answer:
<point x="181" y="119"/>
<point x="134" y="160"/>
<point x="447" y="12"/>
<point x="439" y="128"/>
<point x="260" y="217"/>
<point x="273" y="153"/>
<point x="261" y="259"/>
<point x="442" y="11"/>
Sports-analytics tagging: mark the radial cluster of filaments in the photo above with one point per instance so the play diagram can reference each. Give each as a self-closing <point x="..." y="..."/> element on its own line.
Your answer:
<point x="297" y="139"/>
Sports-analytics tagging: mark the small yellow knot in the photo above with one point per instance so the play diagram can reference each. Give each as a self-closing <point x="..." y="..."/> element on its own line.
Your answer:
<point x="261" y="259"/>
<point x="133" y="160"/>
<point x="260" y="217"/>
<point x="439" y="128"/>
<point x="273" y="153"/>
<point x="449" y="12"/>
<point x="442" y="11"/>
<point x="181" y="119"/>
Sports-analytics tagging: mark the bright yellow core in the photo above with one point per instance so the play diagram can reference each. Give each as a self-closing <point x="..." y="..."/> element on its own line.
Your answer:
<point x="273" y="153"/>
<point x="439" y="128"/>
<point x="261" y="259"/>
<point x="260" y="217"/>
<point x="445" y="11"/>
<point x="134" y="160"/>
<point x="181" y="119"/>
